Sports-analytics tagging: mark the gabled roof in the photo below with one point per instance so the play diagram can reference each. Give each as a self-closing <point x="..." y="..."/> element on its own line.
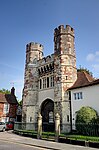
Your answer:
<point x="8" y="98"/>
<point x="84" y="79"/>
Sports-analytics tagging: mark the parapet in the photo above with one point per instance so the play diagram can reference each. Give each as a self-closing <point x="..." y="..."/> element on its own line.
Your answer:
<point x="64" y="30"/>
<point x="34" y="46"/>
<point x="47" y="59"/>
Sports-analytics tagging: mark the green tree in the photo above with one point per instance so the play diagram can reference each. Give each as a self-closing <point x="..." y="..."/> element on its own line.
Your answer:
<point x="20" y="102"/>
<point x="85" y="120"/>
<point x="84" y="69"/>
<point x="86" y="115"/>
<point x="4" y="91"/>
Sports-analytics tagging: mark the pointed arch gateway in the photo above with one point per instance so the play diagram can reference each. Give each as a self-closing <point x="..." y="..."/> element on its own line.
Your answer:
<point x="47" y="112"/>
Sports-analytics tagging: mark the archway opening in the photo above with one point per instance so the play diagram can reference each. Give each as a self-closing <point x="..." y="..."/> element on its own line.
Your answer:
<point x="47" y="112"/>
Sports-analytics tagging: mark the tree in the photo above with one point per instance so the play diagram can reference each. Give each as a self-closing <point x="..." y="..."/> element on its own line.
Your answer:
<point x="85" y="119"/>
<point x="84" y="69"/>
<point x="4" y="91"/>
<point x="20" y="102"/>
<point x="86" y="115"/>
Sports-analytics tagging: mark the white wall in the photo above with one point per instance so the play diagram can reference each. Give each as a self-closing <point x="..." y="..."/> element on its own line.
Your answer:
<point x="90" y="98"/>
<point x="44" y="94"/>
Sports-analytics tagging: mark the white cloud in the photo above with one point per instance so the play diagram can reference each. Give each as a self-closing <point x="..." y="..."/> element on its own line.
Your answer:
<point x="90" y="57"/>
<point x="96" y="67"/>
<point x="93" y="60"/>
<point x="97" y="53"/>
<point x="93" y="57"/>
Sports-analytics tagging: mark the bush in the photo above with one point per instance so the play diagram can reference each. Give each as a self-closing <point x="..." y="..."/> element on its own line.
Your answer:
<point x="86" y="115"/>
<point x="85" y="120"/>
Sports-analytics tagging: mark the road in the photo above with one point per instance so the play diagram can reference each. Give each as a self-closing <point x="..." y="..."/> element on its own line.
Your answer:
<point x="11" y="141"/>
<point x="7" y="145"/>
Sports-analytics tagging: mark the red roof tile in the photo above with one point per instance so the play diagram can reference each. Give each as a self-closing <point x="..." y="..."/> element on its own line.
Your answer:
<point x="8" y="98"/>
<point x="83" y="79"/>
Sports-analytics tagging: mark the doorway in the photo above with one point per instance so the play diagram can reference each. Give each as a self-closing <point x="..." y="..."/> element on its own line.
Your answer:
<point x="47" y="112"/>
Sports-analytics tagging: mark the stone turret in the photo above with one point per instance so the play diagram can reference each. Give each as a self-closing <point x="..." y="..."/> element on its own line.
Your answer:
<point x="65" y="72"/>
<point x="64" y="40"/>
<point x="34" y="52"/>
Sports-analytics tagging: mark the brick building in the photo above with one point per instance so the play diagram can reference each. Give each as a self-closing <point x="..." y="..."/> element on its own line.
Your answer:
<point x="46" y="79"/>
<point x="8" y="106"/>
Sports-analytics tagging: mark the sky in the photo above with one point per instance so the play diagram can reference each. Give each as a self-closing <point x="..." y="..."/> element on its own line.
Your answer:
<point x="25" y="21"/>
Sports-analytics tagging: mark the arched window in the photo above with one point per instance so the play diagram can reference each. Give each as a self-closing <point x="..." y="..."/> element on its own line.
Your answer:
<point x="47" y="82"/>
<point x="40" y="84"/>
<point x="34" y="60"/>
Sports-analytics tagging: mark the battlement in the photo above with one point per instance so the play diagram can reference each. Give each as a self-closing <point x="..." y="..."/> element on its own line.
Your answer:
<point x="48" y="59"/>
<point x="64" y="30"/>
<point x="34" y="46"/>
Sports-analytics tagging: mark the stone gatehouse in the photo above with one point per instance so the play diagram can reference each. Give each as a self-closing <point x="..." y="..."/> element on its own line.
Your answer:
<point x="46" y="79"/>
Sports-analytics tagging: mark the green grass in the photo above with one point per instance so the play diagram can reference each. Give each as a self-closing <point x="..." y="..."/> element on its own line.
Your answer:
<point x="81" y="137"/>
<point x="48" y="135"/>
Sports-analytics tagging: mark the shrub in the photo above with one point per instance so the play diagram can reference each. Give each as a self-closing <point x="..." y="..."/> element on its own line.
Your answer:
<point x="85" y="119"/>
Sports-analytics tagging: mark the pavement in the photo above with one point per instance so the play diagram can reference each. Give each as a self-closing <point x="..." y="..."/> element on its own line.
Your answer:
<point x="11" y="137"/>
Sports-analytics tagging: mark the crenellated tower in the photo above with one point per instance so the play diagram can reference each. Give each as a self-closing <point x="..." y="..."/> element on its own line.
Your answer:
<point x="34" y="53"/>
<point x="65" y="72"/>
<point x="47" y="79"/>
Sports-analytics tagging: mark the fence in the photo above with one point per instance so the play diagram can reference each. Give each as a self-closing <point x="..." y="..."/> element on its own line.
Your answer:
<point x="90" y="129"/>
<point x="25" y="126"/>
<point x="57" y="128"/>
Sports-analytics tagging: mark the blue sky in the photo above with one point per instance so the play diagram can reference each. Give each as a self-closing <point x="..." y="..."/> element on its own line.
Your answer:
<point x="23" y="21"/>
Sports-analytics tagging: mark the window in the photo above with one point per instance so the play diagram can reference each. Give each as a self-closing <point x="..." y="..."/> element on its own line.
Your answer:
<point x="5" y="119"/>
<point x="40" y="83"/>
<point x="51" y="117"/>
<point x="66" y="77"/>
<point x="81" y="95"/>
<point x="6" y="108"/>
<point x="52" y="81"/>
<point x="44" y="82"/>
<point x="67" y="118"/>
<point x="78" y="96"/>
<point x="30" y="119"/>
<point x="75" y="96"/>
<point x="47" y="82"/>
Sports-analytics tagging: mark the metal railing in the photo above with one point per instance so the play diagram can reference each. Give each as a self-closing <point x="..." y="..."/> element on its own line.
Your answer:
<point x="81" y="128"/>
<point x="25" y="126"/>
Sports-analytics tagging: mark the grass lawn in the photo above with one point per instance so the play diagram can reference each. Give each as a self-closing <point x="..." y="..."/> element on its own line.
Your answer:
<point x="63" y="135"/>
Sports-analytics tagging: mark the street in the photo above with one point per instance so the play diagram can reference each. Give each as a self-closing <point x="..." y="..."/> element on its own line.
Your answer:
<point x="7" y="145"/>
<point x="11" y="141"/>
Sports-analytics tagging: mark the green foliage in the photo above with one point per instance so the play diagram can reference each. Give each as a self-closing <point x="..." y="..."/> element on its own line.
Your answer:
<point x="84" y="69"/>
<point x="86" y="115"/>
<point x="96" y="121"/>
<point x="46" y="135"/>
<point x="4" y="91"/>
<point x="20" y="102"/>
<point x="85" y="120"/>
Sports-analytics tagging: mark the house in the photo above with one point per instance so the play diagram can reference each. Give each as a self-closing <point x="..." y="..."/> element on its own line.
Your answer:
<point x="8" y="106"/>
<point x="84" y="92"/>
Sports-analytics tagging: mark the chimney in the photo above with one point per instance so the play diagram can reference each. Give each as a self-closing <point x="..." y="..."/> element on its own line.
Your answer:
<point x="13" y="91"/>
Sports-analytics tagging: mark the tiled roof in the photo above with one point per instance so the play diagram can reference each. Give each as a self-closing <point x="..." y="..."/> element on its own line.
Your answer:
<point x="84" y="79"/>
<point x="2" y="98"/>
<point x="8" y="98"/>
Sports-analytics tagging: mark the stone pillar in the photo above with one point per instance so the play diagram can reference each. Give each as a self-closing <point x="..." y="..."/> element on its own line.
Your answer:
<point x="39" y="135"/>
<point x="57" y="127"/>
